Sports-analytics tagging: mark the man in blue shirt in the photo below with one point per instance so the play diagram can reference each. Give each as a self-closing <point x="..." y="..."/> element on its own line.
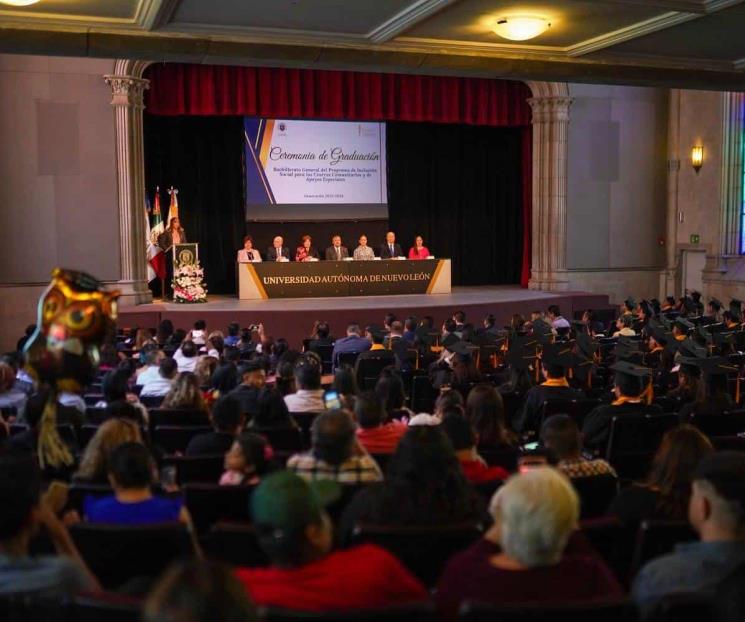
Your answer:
<point x="353" y="342"/>
<point x="717" y="512"/>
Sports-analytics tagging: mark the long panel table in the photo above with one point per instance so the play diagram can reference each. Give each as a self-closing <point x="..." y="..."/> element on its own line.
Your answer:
<point x="319" y="279"/>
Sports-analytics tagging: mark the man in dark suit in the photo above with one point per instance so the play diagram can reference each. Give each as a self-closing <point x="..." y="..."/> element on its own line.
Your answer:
<point x="336" y="252"/>
<point x="353" y="342"/>
<point x="390" y="249"/>
<point x="401" y="348"/>
<point x="277" y="251"/>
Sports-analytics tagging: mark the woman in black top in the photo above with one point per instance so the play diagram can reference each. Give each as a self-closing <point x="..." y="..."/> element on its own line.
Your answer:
<point x="424" y="486"/>
<point x="666" y="491"/>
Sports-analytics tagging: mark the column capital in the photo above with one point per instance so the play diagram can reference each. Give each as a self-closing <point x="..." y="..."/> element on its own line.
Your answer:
<point x="551" y="107"/>
<point x="127" y="90"/>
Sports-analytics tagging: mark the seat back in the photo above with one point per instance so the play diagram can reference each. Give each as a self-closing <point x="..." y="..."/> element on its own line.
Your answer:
<point x="424" y="550"/>
<point x="112" y="608"/>
<point x="423" y="395"/>
<point x="209" y="504"/>
<point x="634" y="439"/>
<point x="196" y="469"/>
<point x="285" y="440"/>
<point x="656" y="538"/>
<point x="505" y="457"/>
<point x="117" y="554"/>
<point x="725" y="424"/>
<point x="729" y="443"/>
<point x="595" y="494"/>
<point x="152" y="401"/>
<point x="325" y="351"/>
<point x="175" y="438"/>
<point x="31" y="608"/>
<point x="346" y="358"/>
<point x="94" y="415"/>
<point x="305" y="421"/>
<point x="180" y="417"/>
<point x="234" y="543"/>
<point x="85" y="433"/>
<point x="415" y="612"/>
<point x="371" y="367"/>
<point x="610" y="611"/>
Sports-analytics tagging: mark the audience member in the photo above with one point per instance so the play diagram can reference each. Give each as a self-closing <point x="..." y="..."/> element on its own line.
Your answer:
<point x="354" y="342"/>
<point x="716" y="511"/>
<point x="485" y="411"/>
<point x="186" y="356"/>
<point x="376" y="433"/>
<point x="233" y="337"/>
<point x="253" y="380"/>
<point x="463" y="438"/>
<point x="204" y="371"/>
<point x="198" y="334"/>
<point x="390" y="389"/>
<point x="131" y="470"/>
<point x="25" y="514"/>
<point x="246" y="462"/>
<point x="227" y="421"/>
<point x="521" y="559"/>
<point x="198" y="591"/>
<point x="161" y="384"/>
<point x="185" y="394"/>
<point x="345" y="385"/>
<point x="667" y="489"/>
<point x="377" y="353"/>
<point x="112" y="433"/>
<point x="150" y="358"/>
<point x="225" y="377"/>
<point x="335" y="453"/>
<point x="308" y="396"/>
<point x="10" y="396"/>
<point x="424" y="486"/>
<point x="272" y="413"/>
<point x="563" y="440"/>
<point x="296" y="534"/>
<point x="115" y="387"/>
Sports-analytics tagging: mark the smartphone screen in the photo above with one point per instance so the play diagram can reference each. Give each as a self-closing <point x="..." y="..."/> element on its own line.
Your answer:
<point x="331" y="400"/>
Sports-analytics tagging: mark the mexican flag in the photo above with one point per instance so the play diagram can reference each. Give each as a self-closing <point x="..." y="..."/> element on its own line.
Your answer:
<point x="156" y="259"/>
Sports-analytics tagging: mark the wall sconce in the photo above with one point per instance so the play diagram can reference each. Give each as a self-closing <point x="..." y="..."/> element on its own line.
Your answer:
<point x="697" y="158"/>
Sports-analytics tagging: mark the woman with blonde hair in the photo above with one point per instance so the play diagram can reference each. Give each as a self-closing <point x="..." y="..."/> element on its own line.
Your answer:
<point x="204" y="370"/>
<point x="112" y="433"/>
<point x="185" y="394"/>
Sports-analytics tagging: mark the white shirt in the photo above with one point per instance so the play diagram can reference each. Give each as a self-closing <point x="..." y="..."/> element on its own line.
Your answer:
<point x="148" y="375"/>
<point x="155" y="388"/>
<point x="185" y="363"/>
<point x="72" y="399"/>
<point x="560" y="322"/>
<point x="243" y="256"/>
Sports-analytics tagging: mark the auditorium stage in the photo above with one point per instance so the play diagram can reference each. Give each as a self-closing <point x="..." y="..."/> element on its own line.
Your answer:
<point x="293" y="318"/>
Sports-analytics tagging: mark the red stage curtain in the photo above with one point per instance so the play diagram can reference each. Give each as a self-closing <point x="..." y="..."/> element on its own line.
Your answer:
<point x="179" y="89"/>
<point x="183" y="89"/>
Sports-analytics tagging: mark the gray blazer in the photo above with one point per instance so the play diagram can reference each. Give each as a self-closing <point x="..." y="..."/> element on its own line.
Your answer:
<point x="331" y="253"/>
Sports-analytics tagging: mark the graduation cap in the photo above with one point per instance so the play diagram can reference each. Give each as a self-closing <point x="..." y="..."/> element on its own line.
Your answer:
<point x="689" y="348"/>
<point x="683" y="324"/>
<point x="656" y="306"/>
<point x="735" y="308"/>
<point x="715" y="304"/>
<point x="724" y="338"/>
<point x="657" y="330"/>
<point x="630" y="303"/>
<point x="541" y="327"/>
<point x="645" y="306"/>
<point x="712" y="366"/>
<point x="696" y="296"/>
<point x="631" y="378"/>
<point x="558" y="354"/>
<point x="255" y="364"/>
<point x="626" y="369"/>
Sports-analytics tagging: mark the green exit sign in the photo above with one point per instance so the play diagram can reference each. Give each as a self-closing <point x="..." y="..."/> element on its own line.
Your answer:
<point x="695" y="238"/>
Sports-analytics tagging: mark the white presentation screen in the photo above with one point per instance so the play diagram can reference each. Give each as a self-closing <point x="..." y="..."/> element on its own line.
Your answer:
<point x="317" y="170"/>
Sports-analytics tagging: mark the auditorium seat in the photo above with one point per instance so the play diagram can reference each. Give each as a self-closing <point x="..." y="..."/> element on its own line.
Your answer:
<point x="86" y="433"/>
<point x="288" y="440"/>
<point x="729" y="443"/>
<point x="684" y="607"/>
<point x="31" y="608"/>
<point x="325" y="351"/>
<point x="634" y="439"/>
<point x="77" y="493"/>
<point x="305" y="421"/>
<point x="424" y="550"/>
<point x="423" y="395"/>
<point x="505" y="457"/>
<point x="196" y="469"/>
<point x="512" y="404"/>
<point x="595" y="494"/>
<point x="91" y="399"/>
<point x="96" y="415"/>
<point x="415" y="612"/>
<point x="152" y="401"/>
<point x="181" y="416"/>
<point x="725" y="424"/>
<point x="175" y="438"/>
<point x="209" y="504"/>
<point x="118" y="554"/>
<point x="656" y="538"/>
<point x="234" y="543"/>
<point x="611" y="611"/>
<point x="612" y="540"/>
<point x="346" y="359"/>
<point x="578" y="409"/>
<point x="104" y="606"/>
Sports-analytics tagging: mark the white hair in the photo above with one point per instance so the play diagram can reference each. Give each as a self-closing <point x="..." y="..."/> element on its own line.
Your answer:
<point x="535" y="513"/>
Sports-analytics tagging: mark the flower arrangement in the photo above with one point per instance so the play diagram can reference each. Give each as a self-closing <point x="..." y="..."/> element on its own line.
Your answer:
<point x="188" y="286"/>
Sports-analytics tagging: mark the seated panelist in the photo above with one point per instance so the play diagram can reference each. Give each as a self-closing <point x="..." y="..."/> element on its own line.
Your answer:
<point x="419" y="250"/>
<point x="248" y="254"/>
<point x="277" y="251"/>
<point x="306" y="251"/>
<point x="336" y="252"/>
<point x="363" y="252"/>
<point x="390" y="249"/>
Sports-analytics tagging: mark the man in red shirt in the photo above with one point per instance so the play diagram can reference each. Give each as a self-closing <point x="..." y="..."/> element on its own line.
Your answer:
<point x="296" y="534"/>
<point x="463" y="437"/>
<point x="373" y="432"/>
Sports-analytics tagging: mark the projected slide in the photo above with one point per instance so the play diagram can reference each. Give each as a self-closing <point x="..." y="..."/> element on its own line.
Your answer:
<point x="314" y="169"/>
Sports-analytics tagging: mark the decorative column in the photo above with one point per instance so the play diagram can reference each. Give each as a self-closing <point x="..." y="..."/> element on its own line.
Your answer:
<point x="128" y="104"/>
<point x="669" y="277"/>
<point x="731" y="183"/>
<point x="550" y="105"/>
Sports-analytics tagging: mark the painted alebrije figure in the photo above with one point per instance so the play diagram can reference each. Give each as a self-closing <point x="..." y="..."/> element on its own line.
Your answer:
<point x="76" y="315"/>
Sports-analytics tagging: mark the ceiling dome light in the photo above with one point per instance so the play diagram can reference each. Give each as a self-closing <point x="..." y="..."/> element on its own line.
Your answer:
<point x="19" y="2"/>
<point x="521" y="27"/>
